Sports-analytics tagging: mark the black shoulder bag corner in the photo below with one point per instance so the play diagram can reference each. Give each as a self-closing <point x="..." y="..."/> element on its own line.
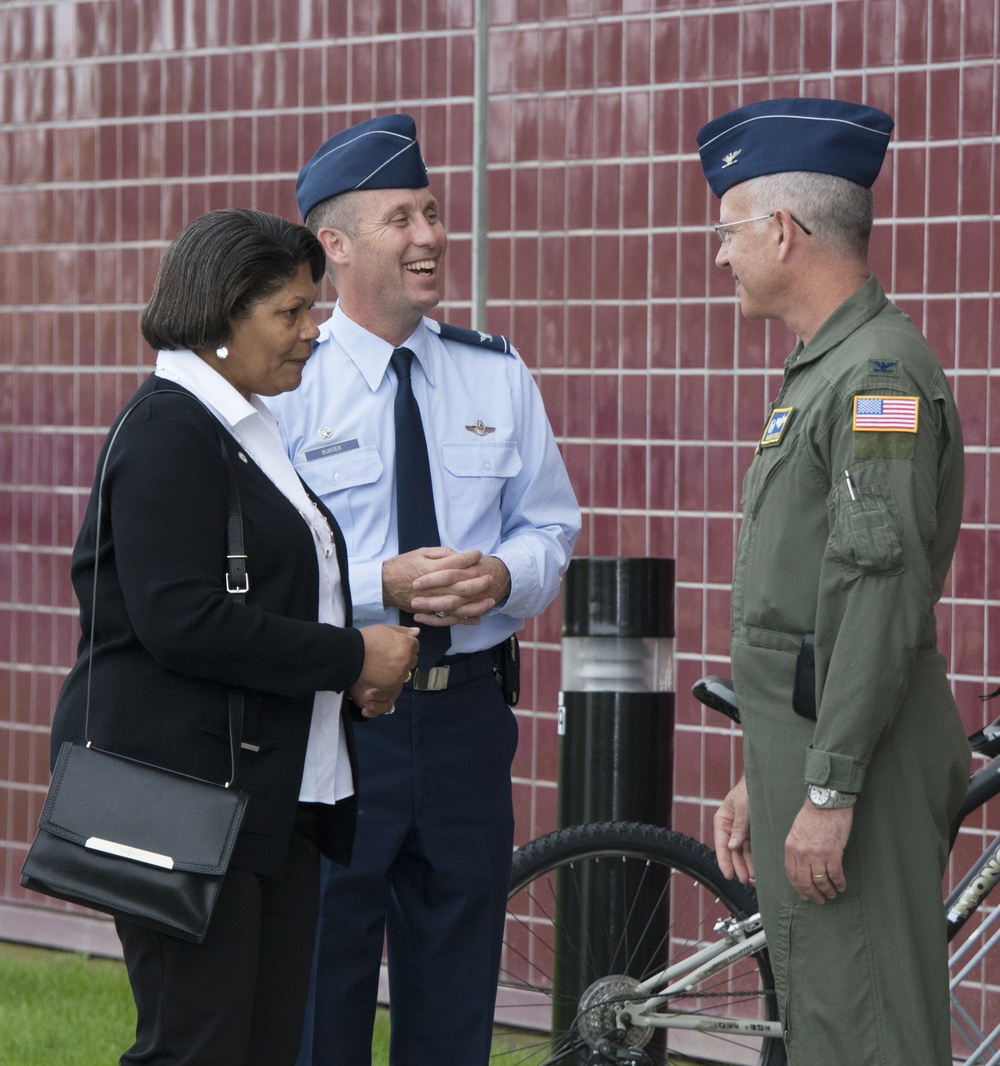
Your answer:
<point x="134" y="840"/>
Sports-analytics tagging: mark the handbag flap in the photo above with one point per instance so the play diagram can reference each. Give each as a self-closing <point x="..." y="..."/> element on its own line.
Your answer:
<point x="143" y="812"/>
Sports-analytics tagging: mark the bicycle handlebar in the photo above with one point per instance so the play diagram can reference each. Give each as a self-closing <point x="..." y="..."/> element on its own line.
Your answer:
<point x="718" y="693"/>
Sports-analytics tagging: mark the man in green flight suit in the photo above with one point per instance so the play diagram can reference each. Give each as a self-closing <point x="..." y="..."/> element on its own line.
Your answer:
<point x="855" y="758"/>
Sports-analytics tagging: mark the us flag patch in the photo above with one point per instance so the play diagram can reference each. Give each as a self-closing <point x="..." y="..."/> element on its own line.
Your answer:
<point x="896" y="414"/>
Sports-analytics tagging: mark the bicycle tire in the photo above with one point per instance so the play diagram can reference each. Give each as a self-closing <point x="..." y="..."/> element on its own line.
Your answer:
<point x="624" y="866"/>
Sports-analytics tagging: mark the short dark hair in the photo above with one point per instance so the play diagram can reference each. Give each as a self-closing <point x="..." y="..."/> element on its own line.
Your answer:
<point x="337" y="212"/>
<point x="217" y="268"/>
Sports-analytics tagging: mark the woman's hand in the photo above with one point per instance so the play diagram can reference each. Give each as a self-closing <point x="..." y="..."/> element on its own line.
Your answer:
<point x="390" y="658"/>
<point x="372" y="701"/>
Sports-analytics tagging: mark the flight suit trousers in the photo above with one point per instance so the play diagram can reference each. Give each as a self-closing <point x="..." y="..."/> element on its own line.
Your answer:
<point x="862" y="979"/>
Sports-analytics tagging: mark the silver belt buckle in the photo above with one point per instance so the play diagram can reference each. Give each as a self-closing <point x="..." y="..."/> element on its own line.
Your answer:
<point x="432" y="680"/>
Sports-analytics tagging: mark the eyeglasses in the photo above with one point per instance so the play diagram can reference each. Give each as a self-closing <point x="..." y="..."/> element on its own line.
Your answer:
<point x="722" y="229"/>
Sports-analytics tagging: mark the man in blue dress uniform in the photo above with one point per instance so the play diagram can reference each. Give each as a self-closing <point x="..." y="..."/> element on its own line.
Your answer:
<point x="467" y="540"/>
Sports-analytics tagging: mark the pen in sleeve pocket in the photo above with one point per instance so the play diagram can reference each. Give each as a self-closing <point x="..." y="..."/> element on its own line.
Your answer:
<point x="850" y="484"/>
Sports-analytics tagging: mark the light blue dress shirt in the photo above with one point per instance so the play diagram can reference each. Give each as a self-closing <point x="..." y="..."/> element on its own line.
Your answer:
<point x="498" y="478"/>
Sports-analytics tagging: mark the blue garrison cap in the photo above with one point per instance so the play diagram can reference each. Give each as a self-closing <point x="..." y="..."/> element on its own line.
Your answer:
<point x="379" y="153"/>
<point x="797" y="133"/>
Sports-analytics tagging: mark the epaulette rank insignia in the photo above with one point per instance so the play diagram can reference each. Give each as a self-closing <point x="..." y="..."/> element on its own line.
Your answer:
<point x="495" y="341"/>
<point x="776" y="426"/>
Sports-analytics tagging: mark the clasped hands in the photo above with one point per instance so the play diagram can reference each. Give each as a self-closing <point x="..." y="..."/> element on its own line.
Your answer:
<point x="439" y="587"/>
<point x="443" y="587"/>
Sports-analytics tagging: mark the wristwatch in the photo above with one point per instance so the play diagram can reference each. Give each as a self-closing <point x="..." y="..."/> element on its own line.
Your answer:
<point x="829" y="799"/>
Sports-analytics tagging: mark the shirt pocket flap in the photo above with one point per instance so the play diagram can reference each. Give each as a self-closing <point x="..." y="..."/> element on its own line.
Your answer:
<point x="482" y="458"/>
<point x="344" y="470"/>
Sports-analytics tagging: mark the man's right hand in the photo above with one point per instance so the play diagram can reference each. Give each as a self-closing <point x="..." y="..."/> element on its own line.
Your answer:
<point x="732" y="835"/>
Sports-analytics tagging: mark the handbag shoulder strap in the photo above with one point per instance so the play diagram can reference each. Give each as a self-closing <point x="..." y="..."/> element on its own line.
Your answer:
<point x="237" y="580"/>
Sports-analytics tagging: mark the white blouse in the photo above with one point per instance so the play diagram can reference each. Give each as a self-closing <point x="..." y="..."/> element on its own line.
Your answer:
<point x="326" y="775"/>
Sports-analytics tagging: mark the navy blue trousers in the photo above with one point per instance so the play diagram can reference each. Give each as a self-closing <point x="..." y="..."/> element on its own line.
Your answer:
<point x="429" y="874"/>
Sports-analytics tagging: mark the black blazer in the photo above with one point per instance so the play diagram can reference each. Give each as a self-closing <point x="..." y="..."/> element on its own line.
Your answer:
<point x="169" y="640"/>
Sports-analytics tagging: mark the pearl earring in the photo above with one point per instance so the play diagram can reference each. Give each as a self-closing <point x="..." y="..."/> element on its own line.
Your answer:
<point x="222" y="352"/>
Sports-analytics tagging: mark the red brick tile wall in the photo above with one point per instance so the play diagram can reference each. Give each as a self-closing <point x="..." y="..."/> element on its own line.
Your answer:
<point x="120" y="120"/>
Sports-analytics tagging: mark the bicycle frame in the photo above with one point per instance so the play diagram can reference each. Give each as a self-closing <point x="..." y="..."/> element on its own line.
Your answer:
<point x="684" y="977"/>
<point x="960" y="905"/>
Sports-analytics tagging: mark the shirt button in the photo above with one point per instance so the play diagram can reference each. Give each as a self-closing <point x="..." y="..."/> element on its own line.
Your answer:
<point x="487" y="466"/>
<point x="338" y="477"/>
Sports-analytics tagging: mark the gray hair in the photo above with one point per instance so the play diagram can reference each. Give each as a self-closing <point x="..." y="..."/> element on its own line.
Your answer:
<point x="838" y="211"/>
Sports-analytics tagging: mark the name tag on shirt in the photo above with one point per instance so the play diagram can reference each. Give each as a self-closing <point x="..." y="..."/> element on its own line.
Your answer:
<point x="334" y="448"/>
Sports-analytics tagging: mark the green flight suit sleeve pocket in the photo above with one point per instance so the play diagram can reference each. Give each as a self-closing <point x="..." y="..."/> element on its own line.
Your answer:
<point x="865" y="527"/>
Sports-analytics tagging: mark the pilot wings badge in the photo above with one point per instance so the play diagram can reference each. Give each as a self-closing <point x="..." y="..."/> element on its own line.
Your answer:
<point x="481" y="429"/>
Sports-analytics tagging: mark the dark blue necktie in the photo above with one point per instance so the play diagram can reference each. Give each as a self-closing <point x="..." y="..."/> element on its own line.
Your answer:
<point x="416" y="522"/>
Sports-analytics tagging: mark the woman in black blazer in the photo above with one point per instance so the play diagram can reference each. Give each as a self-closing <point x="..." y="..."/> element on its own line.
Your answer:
<point x="230" y="316"/>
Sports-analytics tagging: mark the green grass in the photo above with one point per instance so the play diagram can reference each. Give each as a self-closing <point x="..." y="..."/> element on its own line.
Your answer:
<point x="63" y="1009"/>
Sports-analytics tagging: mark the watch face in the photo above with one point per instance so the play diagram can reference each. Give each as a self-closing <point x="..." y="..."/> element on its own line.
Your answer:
<point x="829" y="798"/>
<point x="818" y="796"/>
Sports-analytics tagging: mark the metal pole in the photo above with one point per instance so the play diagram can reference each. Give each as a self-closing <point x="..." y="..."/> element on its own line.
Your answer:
<point x="480" y="149"/>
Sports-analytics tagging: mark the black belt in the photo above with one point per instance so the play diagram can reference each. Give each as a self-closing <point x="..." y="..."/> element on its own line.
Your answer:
<point x="452" y="670"/>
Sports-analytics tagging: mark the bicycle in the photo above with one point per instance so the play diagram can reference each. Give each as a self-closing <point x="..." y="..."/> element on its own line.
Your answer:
<point x="675" y="968"/>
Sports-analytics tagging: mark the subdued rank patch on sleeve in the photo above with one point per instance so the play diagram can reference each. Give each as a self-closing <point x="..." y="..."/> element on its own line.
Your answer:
<point x="885" y="427"/>
<point x="883" y="367"/>
<point x="886" y="414"/>
<point x="776" y="426"/>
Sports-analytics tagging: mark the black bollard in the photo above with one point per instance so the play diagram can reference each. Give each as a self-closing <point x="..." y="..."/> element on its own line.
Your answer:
<point x="616" y="721"/>
<point x="616" y="713"/>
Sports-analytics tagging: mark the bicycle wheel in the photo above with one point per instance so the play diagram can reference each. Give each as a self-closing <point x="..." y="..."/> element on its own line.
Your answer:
<point x="594" y="908"/>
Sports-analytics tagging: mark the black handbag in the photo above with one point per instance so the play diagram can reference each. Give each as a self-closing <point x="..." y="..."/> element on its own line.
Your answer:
<point x="134" y="840"/>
